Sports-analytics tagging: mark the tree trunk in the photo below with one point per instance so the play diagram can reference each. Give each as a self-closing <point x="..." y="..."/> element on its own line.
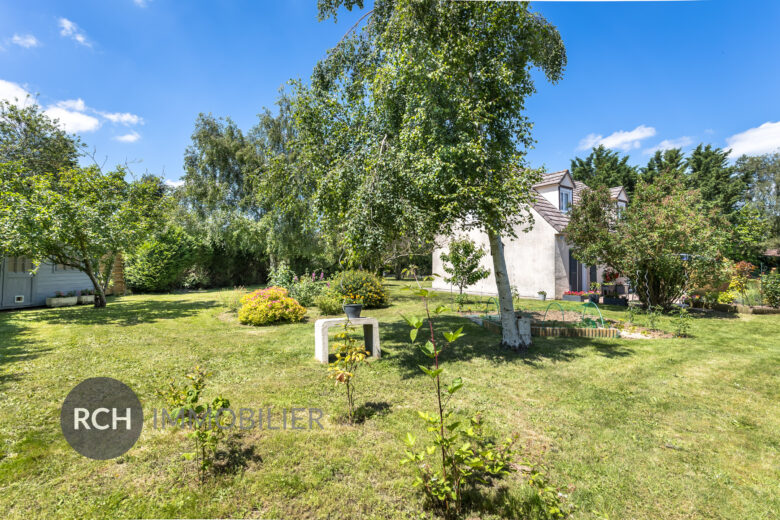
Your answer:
<point x="100" y="294"/>
<point x="510" y="334"/>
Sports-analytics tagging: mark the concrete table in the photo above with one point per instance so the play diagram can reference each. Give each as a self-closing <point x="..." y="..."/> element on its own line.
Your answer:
<point x="370" y="335"/>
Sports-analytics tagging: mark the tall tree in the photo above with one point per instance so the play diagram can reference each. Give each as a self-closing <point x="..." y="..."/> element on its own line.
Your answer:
<point x="416" y="122"/>
<point x="763" y="174"/>
<point x="81" y="217"/>
<point x="604" y="167"/>
<point x="720" y="185"/>
<point x="37" y="142"/>
<point x="670" y="161"/>
<point x="658" y="242"/>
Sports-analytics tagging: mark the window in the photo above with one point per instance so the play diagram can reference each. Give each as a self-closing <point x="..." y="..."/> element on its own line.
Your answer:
<point x="19" y="264"/>
<point x="565" y="199"/>
<point x="621" y="205"/>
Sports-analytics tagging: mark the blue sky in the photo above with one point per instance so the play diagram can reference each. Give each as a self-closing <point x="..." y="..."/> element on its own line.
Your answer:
<point x="131" y="76"/>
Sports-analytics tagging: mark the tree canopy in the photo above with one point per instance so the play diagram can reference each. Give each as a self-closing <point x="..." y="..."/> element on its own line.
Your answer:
<point x="658" y="242"/>
<point x="415" y="122"/>
<point x="605" y="167"/>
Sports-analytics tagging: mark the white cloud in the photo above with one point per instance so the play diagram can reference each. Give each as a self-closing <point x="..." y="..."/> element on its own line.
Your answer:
<point x="73" y="114"/>
<point x="25" y="40"/>
<point x="124" y="118"/>
<point x="128" y="138"/>
<point x="72" y="31"/>
<point x="13" y="92"/>
<point x="72" y="104"/>
<point x="668" y="144"/>
<point x="620" y="140"/>
<point x="72" y="121"/>
<point x="174" y="184"/>
<point x="755" y="141"/>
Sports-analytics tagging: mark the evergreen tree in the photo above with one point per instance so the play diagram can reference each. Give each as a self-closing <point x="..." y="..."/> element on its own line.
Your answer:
<point x="604" y="167"/>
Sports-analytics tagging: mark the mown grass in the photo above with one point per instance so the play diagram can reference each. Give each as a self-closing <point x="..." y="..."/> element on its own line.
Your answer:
<point x="645" y="429"/>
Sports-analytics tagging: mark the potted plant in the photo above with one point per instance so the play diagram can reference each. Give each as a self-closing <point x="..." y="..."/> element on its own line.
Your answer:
<point x="86" y="296"/>
<point x="353" y="304"/>
<point x="61" y="299"/>
<point x="594" y="292"/>
<point x="542" y="295"/>
<point x="574" y="296"/>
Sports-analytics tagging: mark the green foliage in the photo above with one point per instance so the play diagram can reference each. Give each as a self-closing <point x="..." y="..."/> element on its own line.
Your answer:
<point x="653" y="315"/>
<point x="749" y="234"/>
<point x="159" y="263"/>
<point x="762" y="174"/>
<point x="720" y="186"/>
<point x="671" y="162"/>
<point x="364" y="285"/>
<point x="604" y="168"/>
<point x="34" y="141"/>
<point x="658" y="242"/>
<point x="727" y="297"/>
<point x="467" y="456"/>
<point x="464" y="259"/>
<point x="770" y="287"/>
<point x="350" y="356"/>
<point x="329" y="301"/>
<point x="207" y="423"/>
<point x="82" y="217"/>
<point x="270" y="305"/>
<point x="281" y="275"/>
<point x="682" y="323"/>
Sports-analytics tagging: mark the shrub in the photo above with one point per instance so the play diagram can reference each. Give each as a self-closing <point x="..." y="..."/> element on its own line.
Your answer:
<point x="306" y="289"/>
<point x="329" y="301"/>
<point x="158" y="264"/>
<point x="362" y="284"/>
<point x="269" y="305"/>
<point x="350" y="356"/>
<point x="282" y="276"/>
<point x="727" y="297"/>
<point x="770" y="285"/>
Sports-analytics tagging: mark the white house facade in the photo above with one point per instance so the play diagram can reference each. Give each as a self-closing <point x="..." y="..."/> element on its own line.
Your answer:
<point x="539" y="259"/>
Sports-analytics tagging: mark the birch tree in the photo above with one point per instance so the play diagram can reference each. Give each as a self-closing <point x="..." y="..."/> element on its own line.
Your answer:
<point x="415" y="121"/>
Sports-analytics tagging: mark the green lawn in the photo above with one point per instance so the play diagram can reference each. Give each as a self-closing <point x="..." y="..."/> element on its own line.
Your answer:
<point x="640" y="429"/>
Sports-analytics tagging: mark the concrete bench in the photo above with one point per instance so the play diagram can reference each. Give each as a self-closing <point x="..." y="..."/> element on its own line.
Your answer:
<point x="370" y="335"/>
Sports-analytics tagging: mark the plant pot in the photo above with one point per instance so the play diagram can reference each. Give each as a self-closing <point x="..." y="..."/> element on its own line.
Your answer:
<point x="352" y="310"/>
<point x="543" y="297"/>
<point x="594" y="298"/>
<point x="65" y="301"/>
<point x="615" y="301"/>
<point x="87" y="298"/>
<point x="573" y="298"/>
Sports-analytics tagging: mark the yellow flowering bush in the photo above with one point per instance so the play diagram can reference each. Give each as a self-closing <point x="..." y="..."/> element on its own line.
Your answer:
<point x="269" y="305"/>
<point x="356" y="285"/>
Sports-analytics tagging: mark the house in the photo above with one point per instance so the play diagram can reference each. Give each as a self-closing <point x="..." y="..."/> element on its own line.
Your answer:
<point x="541" y="258"/>
<point x="20" y="288"/>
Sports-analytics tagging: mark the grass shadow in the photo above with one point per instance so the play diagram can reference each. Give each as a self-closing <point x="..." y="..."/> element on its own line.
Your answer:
<point x="124" y="312"/>
<point x="481" y="343"/>
<point x="16" y="345"/>
<point x="371" y="409"/>
<point x="235" y="458"/>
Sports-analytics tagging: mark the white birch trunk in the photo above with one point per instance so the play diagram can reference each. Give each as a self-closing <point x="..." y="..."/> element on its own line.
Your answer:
<point x="510" y="334"/>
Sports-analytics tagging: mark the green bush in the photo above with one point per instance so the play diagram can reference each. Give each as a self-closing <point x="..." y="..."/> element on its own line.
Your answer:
<point x="281" y="276"/>
<point x="269" y="305"/>
<point x="770" y="285"/>
<point x="159" y="263"/>
<point x="363" y="284"/>
<point x="306" y="289"/>
<point x="329" y="302"/>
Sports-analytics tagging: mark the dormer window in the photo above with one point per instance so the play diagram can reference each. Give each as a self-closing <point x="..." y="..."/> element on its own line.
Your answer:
<point x="564" y="199"/>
